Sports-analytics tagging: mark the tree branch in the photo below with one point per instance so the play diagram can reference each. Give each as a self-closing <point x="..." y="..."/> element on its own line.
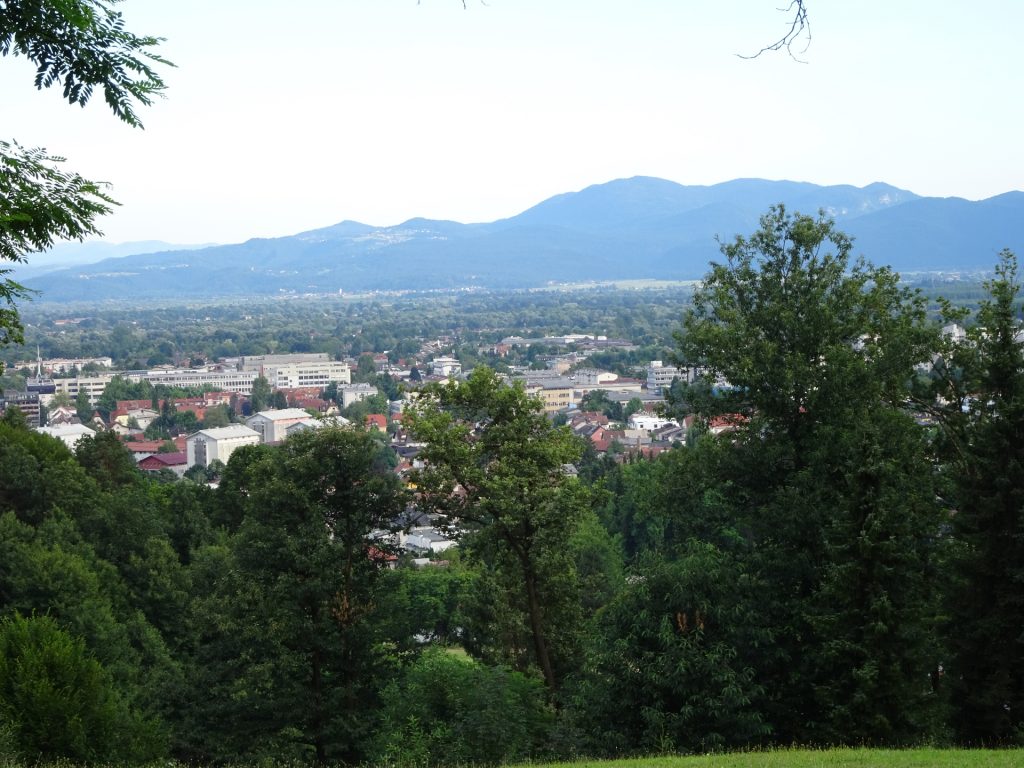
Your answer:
<point x="800" y="27"/>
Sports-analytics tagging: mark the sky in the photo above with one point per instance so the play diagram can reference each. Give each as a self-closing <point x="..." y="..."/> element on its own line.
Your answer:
<point x="285" y="117"/>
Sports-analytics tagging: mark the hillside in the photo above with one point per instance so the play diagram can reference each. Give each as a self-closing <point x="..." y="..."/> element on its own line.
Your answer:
<point x="629" y="228"/>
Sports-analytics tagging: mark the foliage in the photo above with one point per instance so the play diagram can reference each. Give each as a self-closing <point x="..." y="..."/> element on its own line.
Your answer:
<point x="296" y="597"/>
<point x="670" y="666"/>
<point x="817" y="758"/>
<point x="82" y="44"/>
<point x="987" y="609"/>
<point x="58" y="702"/>
<point x="448" y="709"/>
<point x="39" y="203"/>
<point x="826" y="480"/>
<point x="260" y="399"/>
<point x="495" y="464"/>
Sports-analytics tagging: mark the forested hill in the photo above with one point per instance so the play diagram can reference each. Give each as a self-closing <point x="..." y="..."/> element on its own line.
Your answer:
<point x="630" y="228"/>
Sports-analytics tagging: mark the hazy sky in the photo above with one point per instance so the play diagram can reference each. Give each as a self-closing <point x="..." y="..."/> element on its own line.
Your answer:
<point x="282" y="117"/>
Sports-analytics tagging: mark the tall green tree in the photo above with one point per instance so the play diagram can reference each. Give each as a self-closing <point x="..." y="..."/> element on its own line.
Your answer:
<point x="987" y="605"/>
<point x="289" y="661"/>
<point x="83" y="407"/>
<point x="495" y="469"/>
<point x="669" y="661"/>
<point x="810" y="353"/>
<point x="262" y="393"/>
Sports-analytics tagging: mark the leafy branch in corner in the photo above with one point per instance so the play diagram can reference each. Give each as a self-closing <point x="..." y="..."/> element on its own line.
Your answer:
<point x="83" y="44"/>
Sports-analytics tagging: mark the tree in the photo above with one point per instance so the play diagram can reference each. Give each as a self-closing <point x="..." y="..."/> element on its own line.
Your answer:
<point x="494" y="469"/>
<point x="826" y="475"/>
<point x="297" y="601"/>
<point x="669" y="667"/>
<point x="598" y="400"/>
<point x="799" y="28"/>
<point x="447" y="709"/>
<point x="59" y="702"/>
<point x="366" y="369"/>
<point x="987" y="610"/>
<point x="83" y="407"/>
<point x="83" y="45"/>
<point x="261" y="394"/>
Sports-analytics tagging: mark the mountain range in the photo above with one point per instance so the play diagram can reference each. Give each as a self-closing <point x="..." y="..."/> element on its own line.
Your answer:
<point x="634" y="228"/>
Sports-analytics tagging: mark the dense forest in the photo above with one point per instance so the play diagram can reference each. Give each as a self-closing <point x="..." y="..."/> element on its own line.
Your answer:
<point x="841" y="566"/>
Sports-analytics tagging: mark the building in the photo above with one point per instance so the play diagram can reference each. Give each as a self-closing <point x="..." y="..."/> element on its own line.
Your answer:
<point x="353" y="393"/>
<point x="26" y="402"/>
<point x="592" y="377"/>
<point x="661" y="376"/>
<point x="317" y="373"/>
<point x="272" y="426"/>
<point x="177" y="462"/>
<point x="445" y="366"/>
<point x="650" y="422"/>
<point x="69" y="434"/>
<point x="69" y="365"/>
<point x="257" y="363"/>
<point x="208" y="445"/>
<point x="93" y="385"/>
<point x="557" y="394"/>
<point x="227" y="381"/>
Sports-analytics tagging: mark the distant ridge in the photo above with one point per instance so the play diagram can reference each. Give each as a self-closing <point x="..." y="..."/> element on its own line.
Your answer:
<point x="641" y="227"/>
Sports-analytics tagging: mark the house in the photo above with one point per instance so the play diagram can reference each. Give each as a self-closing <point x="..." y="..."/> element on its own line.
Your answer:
<point x="142" y="417"/>
<point x="177" y="462"/>
<point x="272" y="426"/>
<point x="377" y="421"/>
<point x="61" y="414"/>
<point x="208" y="445"/>
<point x="728" y="422"/>
<point x="142" y="448"/>
<point x="425" y="539"/>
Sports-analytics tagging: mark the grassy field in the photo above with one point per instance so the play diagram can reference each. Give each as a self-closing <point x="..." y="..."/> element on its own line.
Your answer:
<point x="831" y="758"/>
<point x="776" y="758"/>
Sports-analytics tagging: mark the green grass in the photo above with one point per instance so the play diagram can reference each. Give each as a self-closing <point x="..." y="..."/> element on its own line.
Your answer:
<point x="829" y="758"/>
<point x="775" y="758"/>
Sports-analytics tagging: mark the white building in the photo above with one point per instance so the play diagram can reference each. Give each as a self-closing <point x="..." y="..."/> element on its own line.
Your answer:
<point x="69" y="434"/>
<point x="648" y="422"/>
<point x="445" y="366"/>
<point x="218" y="444"/>
<point x="224" y="381"/>
<point x="593" y="377"/>
<point x="661" y="376"/>
<point x="353" y="393"/>
<point x="272" y="426"/>
<point x="259" y="362"/>
<point x="319" y="373"/>
<point x="93" y="385"/>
